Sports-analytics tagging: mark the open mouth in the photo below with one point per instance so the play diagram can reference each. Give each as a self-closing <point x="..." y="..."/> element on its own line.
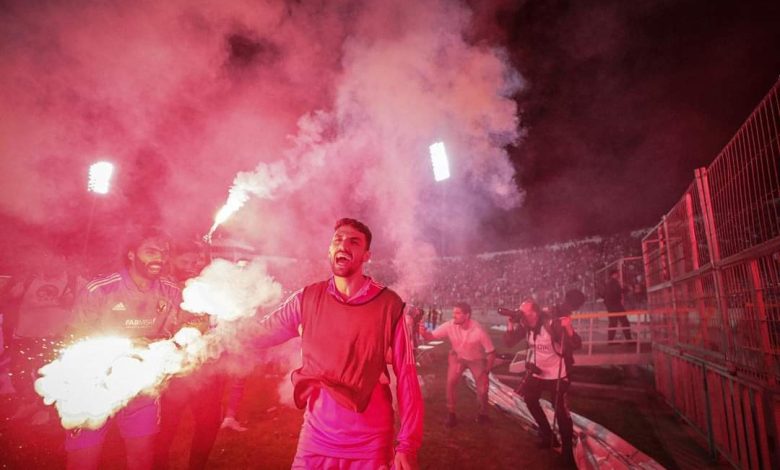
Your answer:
<point x="342" y="258"/>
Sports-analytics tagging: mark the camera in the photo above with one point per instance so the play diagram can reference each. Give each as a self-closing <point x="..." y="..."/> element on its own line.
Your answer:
<point x="515" y="315"/>
<point x="533" y="369"/>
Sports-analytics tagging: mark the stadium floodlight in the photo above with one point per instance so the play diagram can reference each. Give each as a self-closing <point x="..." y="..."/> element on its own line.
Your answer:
<point x="441" y="165"/>
<point x="100" y="177"/>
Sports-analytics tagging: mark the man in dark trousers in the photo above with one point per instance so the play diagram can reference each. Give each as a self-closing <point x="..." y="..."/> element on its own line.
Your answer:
<point x="613" y="300"/>
<point x="551" y="343"/>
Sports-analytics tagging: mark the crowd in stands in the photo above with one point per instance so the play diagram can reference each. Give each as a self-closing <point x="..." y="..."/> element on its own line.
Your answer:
<point x="491" y="280"/>
<point x="496" y="279"/>
<point x="486" y="280"/>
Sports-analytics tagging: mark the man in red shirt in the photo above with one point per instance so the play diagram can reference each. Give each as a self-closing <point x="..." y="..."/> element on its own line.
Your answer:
<point x="349" y="325"/>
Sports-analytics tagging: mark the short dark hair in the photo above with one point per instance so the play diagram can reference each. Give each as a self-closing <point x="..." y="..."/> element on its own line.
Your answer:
<point x="534" y="306"/>
<point x="357" y="225"/>
<point x="463" y="306"/>
<point x="137" y="236"/>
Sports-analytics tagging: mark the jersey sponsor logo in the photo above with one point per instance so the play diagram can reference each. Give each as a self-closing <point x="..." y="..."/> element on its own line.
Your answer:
<point x="544" y="348"/>
<point x="120" y="307"/>
<point x="139" y="322"/>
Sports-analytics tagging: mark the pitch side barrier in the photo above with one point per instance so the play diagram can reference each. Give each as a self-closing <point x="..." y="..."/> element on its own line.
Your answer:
<point x="712" y="273"/>
<point x="596" y="447"/>
<point x="597" y="349"/>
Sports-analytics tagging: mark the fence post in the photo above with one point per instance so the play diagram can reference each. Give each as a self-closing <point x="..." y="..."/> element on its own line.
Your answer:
<point x="763" y="322"/>
<point x="703" y="186"/>
<point x="668" y="256"/>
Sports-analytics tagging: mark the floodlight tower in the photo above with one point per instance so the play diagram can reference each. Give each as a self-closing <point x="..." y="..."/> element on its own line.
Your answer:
<point x="98" y="182"/>
<point x="441" y="173"/>
<point x="100" y="177"/>
<point x="440" y="162"/>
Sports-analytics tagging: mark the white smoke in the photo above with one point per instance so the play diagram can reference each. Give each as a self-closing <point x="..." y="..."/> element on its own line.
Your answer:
<point x="229" y="291"/>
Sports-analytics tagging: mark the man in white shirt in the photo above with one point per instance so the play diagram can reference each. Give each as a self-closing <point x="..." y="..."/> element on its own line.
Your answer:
<point x="472" y="349"/>
<point x="551" y="341"/>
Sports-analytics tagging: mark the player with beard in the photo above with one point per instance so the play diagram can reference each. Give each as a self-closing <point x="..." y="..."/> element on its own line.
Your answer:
<point x="349" y="326"/>
<point x="135" y="302"/>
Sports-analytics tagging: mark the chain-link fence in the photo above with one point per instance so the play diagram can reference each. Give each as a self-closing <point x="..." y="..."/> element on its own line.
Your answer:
<point x="712" y="270"/>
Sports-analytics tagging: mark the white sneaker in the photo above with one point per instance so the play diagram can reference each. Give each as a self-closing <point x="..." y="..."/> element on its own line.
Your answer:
<point x="231" y="423"/>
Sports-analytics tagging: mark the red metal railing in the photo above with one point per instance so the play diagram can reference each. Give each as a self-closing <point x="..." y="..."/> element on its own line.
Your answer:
<point x="712" y="268"/>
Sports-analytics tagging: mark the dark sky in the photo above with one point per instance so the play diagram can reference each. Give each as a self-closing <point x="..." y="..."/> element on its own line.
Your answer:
<point x="625" y="99"/>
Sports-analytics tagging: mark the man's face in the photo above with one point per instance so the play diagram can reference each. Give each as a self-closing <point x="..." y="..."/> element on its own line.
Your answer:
<point x="459" y="317"/>
<point x="347" y="251"/>
<point x="188" y="265"/>
<point x="149" y="258"/>
<point x="529" y="313"/>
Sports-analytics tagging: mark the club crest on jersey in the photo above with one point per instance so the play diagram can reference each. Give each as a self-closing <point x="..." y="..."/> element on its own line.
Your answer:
<point x="163" y="306"/>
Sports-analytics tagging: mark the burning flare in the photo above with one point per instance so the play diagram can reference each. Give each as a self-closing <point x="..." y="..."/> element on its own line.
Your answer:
<point x="96" y="377"/>
<point x="93" y="379"/>
<point x="236" y="199"/>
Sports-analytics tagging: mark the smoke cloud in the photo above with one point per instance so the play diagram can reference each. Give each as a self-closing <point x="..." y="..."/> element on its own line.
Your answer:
<point x="229" y="291"/>
<point x="315" y="110"/>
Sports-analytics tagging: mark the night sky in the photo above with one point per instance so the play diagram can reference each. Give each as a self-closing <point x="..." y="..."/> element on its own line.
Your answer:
<point x="625" y="99"/>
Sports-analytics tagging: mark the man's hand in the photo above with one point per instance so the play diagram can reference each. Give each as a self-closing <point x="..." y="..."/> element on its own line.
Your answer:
<point x="424" y="332"/>
<point x="566" y="324"/>
<point x="491" y="361"/>
<point x="402" y="461"/>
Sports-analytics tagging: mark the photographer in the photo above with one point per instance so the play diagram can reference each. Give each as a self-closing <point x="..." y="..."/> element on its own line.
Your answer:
<point x="551" y="341"/>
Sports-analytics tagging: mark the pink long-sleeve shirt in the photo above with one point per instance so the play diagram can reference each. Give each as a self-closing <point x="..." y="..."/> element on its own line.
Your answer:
<point x="330" y="429"/>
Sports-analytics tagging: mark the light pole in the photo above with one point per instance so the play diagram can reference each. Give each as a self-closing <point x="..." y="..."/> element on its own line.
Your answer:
<point x="441" y="173"/>
<point x="98" y="182"/>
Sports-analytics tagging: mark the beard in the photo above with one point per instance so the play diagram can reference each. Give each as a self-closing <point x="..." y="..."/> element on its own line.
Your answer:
<point x="151" y="270"/>
<point x="344" y="270"/>
<point x="342" y="267"/>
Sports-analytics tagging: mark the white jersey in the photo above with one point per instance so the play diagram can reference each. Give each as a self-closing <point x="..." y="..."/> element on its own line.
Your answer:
<point x="544" y="355"/>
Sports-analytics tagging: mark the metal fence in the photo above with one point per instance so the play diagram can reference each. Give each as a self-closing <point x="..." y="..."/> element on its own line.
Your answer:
<point x="712" y="270"/>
